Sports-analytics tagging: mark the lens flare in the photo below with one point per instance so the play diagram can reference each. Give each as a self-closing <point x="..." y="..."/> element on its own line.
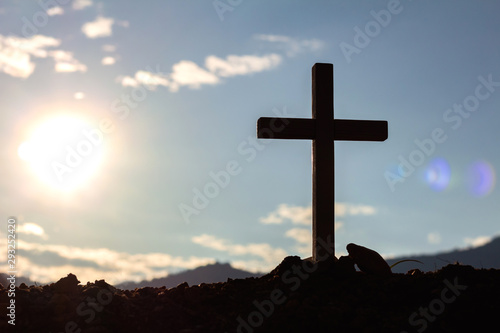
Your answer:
<point x="481" y="178"/>
<point x="438" y="174"/>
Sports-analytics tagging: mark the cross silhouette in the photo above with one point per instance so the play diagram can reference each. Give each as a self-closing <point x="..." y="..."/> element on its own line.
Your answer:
<point x="322" y="129"/>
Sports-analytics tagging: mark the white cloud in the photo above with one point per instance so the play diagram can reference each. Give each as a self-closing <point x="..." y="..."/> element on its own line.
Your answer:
<point x="296" y="214"/>
<point x="106" y="61"/>
<point x="478" y="241"/>
<point x="101" y="27"/>
<point x="113" y="266"/>
<point x="55" y="11"/>
<point x="81" y="4"/>
<point x="303" y="215"/>
<point x="65" y="62"/>
<point x="434" y="238"/>
<point x="187" y="73"/>
<point x="303" y="237"/>
<point x="65" y="67"/>
<point x="344" y="209"/>
<point x="292" y="46"/>
<point x="148" y="79"/>
<point x="30" y="228"/>
<point x="241" y="65"/>
<point x="16" y="55"/>
<point x="265" y="251"/>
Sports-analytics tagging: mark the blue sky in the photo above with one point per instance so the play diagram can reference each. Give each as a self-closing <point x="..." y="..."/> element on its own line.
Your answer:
<point x="116" y="115"/>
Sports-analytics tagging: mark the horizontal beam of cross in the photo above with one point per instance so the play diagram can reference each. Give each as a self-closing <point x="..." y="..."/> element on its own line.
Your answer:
<point x="305" y="128"/>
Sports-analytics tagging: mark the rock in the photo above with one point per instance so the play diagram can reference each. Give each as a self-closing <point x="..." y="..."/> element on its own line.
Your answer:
<point x="368" y="261"/>
<point x="67" y="285"/>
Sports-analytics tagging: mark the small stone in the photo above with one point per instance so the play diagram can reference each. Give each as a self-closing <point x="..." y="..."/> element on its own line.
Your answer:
<point x="67" y="285"/>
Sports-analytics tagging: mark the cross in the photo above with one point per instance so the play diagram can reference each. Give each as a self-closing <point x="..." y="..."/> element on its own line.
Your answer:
<point x="322" y="129"/>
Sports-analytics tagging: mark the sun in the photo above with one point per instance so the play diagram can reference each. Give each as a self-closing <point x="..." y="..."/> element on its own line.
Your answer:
<point x="64" y="152"/>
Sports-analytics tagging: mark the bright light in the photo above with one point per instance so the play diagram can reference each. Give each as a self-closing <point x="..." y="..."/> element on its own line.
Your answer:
<point x="438" y="174"/>
<point x="64" y="152"/>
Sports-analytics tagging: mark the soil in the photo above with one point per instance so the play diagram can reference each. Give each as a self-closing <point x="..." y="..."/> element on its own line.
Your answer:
<point x="297" y="296"/>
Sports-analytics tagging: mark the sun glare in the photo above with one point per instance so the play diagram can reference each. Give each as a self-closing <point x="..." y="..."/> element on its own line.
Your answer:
<point x="64" y="152"/>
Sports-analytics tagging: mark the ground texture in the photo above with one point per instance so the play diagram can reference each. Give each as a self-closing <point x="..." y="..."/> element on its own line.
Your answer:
<point x="297" y="296"/>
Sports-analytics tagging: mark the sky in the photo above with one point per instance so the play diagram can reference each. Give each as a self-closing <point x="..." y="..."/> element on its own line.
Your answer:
<point x="129" y="131"/>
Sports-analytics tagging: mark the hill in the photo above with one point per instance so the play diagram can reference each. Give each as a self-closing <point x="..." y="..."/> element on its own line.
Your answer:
<point x="485" y="256"/>
<point x="205" y="274"/>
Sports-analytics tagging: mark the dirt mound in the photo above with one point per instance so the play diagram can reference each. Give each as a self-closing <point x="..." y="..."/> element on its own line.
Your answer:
<point x="297" y="296"/>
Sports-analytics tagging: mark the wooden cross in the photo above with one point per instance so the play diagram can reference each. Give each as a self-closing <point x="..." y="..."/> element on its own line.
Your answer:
<point x="323" y="129"/>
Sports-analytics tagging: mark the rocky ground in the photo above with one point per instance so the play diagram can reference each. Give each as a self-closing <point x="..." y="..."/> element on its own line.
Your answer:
<point x="297" y="296"/>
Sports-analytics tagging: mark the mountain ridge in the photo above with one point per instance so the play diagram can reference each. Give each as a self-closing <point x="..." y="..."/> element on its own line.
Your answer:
<point x="484" y="256"/>
<point x="212" y="273"/>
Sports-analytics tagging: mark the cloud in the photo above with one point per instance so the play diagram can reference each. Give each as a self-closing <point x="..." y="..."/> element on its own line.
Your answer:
<point x="434" y="238"/>
<point x="303" y="215"/>
<point x="30" y="228"/>
<point x="241" y="65"/>
<point x="148" y="79"/>
<point x="296" y="214"/>
<point x="106" y="61"/>
<point x="187" y="73"/>
<point x="344" y="209"/>
<point x="66" y="63"/>
<point x="16" y="55"/>
<point x="81" y="4"/>
<point x="190" y="74"/>
<point x="478" y="241"/>
<point x="55" y="11"/>
<point x="292" y="46"/>
<point x="113" y="266"/>
<point x="303" y="237"/>
<point x="101" y="27"/>
<point x="265" y="251"/>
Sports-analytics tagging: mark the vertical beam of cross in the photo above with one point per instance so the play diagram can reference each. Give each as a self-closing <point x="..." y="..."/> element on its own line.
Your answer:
<point x="323" y="176"/>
